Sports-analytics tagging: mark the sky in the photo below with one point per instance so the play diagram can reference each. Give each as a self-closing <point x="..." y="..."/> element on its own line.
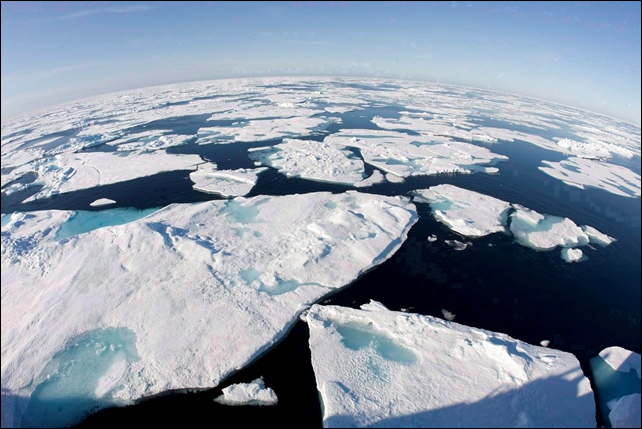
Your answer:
<point x="582" y="54"/>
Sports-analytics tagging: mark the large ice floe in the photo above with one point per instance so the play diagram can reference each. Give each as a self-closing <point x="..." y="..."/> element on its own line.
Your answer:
<point x="403" y="155"/>
<point x="312" y="160"/>
<point x="69" y="172"/>
<point x="616" y="372"/>
<point x="179" y="299"/>
<point x="473" y="214"/>
<point x="228" y="183"/>
<point x="380" y="368"/>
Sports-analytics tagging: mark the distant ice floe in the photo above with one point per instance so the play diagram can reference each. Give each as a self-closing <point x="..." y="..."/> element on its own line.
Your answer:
<point x="312" y="160"/>
<point x="184" y="296"/>
<point x="473" y="214"/>
<point x="263" y="129"/>
<point x="102" y="202"/>
<point x="228" y="183"/>
<point x="150" y="141"/>
<point x="380" y="368"/>
<point x="616" y="372"/>
<point x="458" y="245"/>
<point x="403" y="155"/>
<point x="593" y="149"/>
<point x="253" y="393"/>
<point x="74" y="171"/>
<point x="581" y="173"/>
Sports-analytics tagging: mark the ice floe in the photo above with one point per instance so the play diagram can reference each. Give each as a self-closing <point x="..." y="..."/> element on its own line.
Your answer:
<point x="102" y="202"/>
<point x="581" y="173"/>
<point x="403" y="155"/>
<point x="189" y="294"/>
<point x="545" y="232"/>
<point x="380" y="368"/>
<point x="616" y="374"/>
<point x="473" y="214"/>
<point x="228" y="183"/>
<point x="458" y="245"/>
<point x="253" y="393"/>
<point x="312" y="160"/>
<point x="466" y="212"/>
<point x="74" y="171"/>
<point x="572" y="255"/>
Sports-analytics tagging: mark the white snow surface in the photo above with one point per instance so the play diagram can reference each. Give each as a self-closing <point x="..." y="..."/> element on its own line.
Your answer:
<point x="581" y="173"/>
<point x="597" y="237"/>
<point x="380" y="368"/>
<point x="102" y="202"/>
<point x="203" y="288"/>
<point x="228" y="183"/>
<point x="69" y="172"/>
<point x="253" y="393"/>
<point x="466" y="212"/>
<point x="625" y="411"/>
<point x="621" y="359"/>
<point x="312" y="160"/>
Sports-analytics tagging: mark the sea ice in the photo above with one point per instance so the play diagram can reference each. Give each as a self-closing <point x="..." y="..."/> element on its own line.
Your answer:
<point x="380" y="368"/>
<point x="616" y="373"/>
<point x="545" y="232"/>
<point x="201" y="289"/>
<point x="465" y="212"/>
<point x="312" y="160"/>
<point x="403" y="155"/>
<point x="457" y="245"/>
<point x="597" y="237"/>
<point x="253" y="393"/>
<point x="69" y="172"/>
<point x="228" y="183"/>
<point x="102" y="202"/>
<point x="572" y="255"/>
<point x="581" y="172"/>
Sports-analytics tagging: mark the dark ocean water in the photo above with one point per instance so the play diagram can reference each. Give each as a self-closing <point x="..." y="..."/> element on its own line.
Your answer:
<point x="495" y="284"/>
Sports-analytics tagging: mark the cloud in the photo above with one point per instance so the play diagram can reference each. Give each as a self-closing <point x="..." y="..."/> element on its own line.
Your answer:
<point x="107" y="10"/>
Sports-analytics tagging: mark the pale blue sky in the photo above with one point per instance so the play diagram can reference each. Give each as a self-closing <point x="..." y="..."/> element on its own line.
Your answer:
<point x="583" y="54"/>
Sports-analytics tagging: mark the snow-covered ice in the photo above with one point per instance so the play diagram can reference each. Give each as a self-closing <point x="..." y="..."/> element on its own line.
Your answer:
<point x="69" y="172"/>
<point x="473" y="214"/>
<point x="432" y="238"/>
<point x="312" y="160"/>
<point x="572" y="255"/>
<point x="196" y="291"/>
<point x="545" y="232"/>
<point x="228" y="183"/>
<point x="581" y="173"/>
<point x="616" y="373"/>
<point x="457" y="245"/>
<point x="466" y="212"/>
<point x="403" y="155"/>
<point x="253" y="393"/>
<point x="380" y="368"/>
<point x="102" y="202"/>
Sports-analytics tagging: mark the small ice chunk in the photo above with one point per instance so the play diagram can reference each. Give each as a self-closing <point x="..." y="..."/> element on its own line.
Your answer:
<point x="432" y="238"/>
<point x="571" y="255"/>
<point x="456" y="244"/>
<point x="447" y="314"/>
<point x="253" y="393"/>
<point x="465" y="212"/>
<point x="544" y="343"/>
<point x="621" y="359"/>
<point x="102" y="202"/>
